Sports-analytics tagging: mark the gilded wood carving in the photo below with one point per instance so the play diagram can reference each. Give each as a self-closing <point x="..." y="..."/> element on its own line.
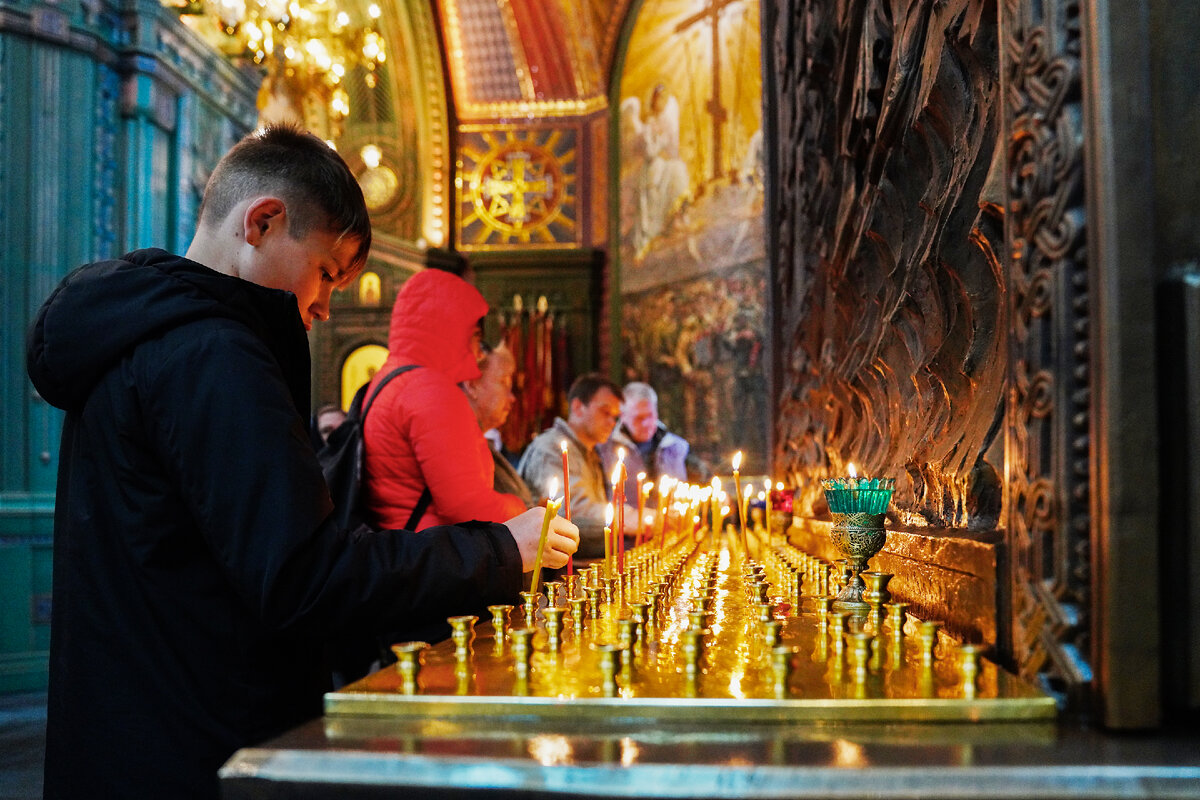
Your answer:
<point x="931" y="284"/>
<point x="1047" y="445"/>
<point x="889" y="279"/>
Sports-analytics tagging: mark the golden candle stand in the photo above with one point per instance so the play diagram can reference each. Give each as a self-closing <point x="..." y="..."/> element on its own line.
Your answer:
<point x="699" y="634"/>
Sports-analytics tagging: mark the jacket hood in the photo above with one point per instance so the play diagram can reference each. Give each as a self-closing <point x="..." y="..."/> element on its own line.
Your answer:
<point x="101" y="310"/>
<point x="433" y="319"/>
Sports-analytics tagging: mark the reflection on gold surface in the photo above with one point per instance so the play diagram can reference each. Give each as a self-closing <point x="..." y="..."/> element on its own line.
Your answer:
<point x="629" y="751"/>
<point x="551" y="751"/>
<point x="848" y="754"/>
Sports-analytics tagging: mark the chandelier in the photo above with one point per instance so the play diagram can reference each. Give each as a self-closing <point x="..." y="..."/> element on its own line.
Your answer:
<point x="306" y="49"/>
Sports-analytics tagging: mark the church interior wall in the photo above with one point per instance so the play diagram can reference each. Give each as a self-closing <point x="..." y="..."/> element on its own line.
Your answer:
<point x="111" y="119"/>
<point x="951" y="282"/>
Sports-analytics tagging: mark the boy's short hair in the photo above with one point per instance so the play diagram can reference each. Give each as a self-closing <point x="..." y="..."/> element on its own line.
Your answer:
<point x="319" y="190"/>
<point x="585" y="387"/>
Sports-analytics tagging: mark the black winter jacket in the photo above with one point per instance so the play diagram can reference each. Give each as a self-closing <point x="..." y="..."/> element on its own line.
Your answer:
<point x="196" y="570"/>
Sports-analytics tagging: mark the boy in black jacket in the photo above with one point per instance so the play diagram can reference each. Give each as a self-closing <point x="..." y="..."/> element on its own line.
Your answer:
<point x="196" y="569"/>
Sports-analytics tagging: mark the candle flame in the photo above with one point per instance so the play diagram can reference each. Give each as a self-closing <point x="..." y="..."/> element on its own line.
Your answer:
<point x="779" y="486"/>
<point x="716" y="484"/>
<point x="850" y="468"/>
<point x="616" y="475"/>
<point x="641" y="476"/>
<point x="767" y="485"/>
<point x="664" y="484"/>
<point x="648" y="486"/>
<point x="608" y="515"/>
<point x="620" y="454"/>
<point x="553" y="492"/>
<point x="737" y="461"/>
<point x="563" y="445"/>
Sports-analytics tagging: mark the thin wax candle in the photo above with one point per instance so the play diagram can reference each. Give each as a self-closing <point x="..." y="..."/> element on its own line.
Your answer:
<point x="641" y="506"/>
<point x="737" y="486"/>
<point x="551" y="509"/>
<point x="567" y="499"/>
<point x="608" y="516"/>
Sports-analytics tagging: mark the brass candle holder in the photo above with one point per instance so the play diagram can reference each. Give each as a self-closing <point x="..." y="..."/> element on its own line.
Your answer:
<point x="408" y="664"/>
<point x="858" y="507"/>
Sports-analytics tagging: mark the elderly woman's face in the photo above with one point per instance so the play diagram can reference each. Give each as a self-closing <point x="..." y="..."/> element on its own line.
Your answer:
<point x="491" y="393"/>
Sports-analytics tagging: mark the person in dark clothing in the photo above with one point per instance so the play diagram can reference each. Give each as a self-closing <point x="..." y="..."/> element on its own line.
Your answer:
<point x="327" y="419"/>
<point x="197" y="570"/>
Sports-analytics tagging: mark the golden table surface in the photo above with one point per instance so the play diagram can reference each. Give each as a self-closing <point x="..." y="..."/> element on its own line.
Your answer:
<point x="376" y="757"/>
<point x="896" y="718"/>
<point x="737" y="677"/>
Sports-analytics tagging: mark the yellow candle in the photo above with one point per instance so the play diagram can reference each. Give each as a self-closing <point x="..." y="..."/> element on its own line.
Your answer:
<point x="608" y="517"/>
<point x="551" y="509"/>
<point x="715" y="505"/>
<point x="706" y="509"/>
<point x="767" y="508"/>
<point x="786" y="525"/>
<point x="641" y="505"/>
<point x="737" y="486"/>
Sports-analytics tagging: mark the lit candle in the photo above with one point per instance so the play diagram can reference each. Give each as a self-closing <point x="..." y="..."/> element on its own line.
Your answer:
<point x="664" y="486"/>
<point x="551" y="509"/>
<point x="643" y="490"/>
<point x="767" y="508"/>
<point x="608" y="517"/>
<point x="567" y="499"/>
<point x="621" y="527"/>
<point x="619" y="502"/>
<point x="566" y="481"/>
<point x="716" y="504"/>
<point x="705" y="496"/>
<point x="737" y="486"/>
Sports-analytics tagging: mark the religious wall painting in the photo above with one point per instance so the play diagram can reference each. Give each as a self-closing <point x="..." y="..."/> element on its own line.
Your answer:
<point x="517" y="188"/>
<point x="700" y="343"/>
<point x="690" y="212"/>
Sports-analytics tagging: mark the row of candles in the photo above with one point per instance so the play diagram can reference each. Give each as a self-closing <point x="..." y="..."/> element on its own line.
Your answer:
<point x="697" y="504"/>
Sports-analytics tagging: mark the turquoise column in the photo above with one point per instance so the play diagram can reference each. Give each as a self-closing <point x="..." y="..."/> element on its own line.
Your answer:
<point x="111" y="116"/>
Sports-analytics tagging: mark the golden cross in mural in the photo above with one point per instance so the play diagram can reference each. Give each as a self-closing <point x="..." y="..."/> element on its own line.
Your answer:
<point x="506" y="188"/>
<point x="713" y="106"/>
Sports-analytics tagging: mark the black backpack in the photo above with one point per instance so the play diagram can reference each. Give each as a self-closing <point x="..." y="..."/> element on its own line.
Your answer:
<point x="341" y="460"/>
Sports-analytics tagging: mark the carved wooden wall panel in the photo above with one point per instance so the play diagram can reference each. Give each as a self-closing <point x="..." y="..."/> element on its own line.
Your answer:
<point x="931" y="284"/>
<point x="890" y="286"/>
<point x="1047" y="429"/>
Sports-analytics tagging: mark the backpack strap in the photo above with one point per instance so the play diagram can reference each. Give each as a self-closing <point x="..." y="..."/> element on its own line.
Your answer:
<point x="384" y="382"/>
<point x="419" y="510"/>
<point x="426" y="496"/>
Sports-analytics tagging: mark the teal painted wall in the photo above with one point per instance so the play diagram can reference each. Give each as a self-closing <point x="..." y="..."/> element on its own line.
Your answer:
<point x="111" y="117"/>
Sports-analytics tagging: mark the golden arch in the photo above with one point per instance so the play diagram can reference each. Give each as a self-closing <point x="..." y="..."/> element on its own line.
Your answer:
<point x="369" y="289"/>
<point x="358" y="368"/>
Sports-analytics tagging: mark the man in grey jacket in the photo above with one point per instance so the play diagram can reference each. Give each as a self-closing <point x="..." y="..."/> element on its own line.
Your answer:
<point x="650" y="448"/>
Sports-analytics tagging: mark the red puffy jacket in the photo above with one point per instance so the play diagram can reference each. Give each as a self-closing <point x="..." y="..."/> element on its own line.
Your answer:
<point x="421" y="431"/>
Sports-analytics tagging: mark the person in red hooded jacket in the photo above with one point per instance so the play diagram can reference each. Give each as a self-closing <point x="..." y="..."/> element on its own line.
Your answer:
<point x="421" y="431"/>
